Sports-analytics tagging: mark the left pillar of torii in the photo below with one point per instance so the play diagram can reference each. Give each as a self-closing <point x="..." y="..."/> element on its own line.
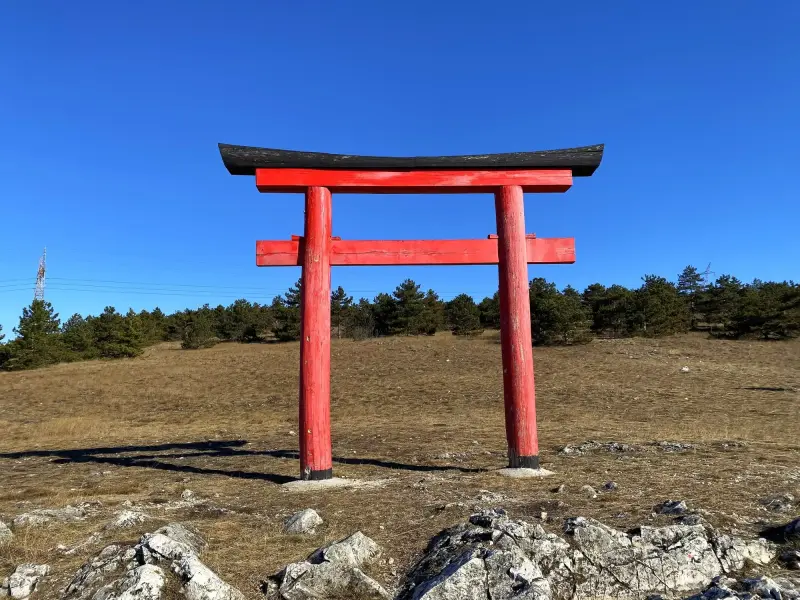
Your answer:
<point x="506" y="176"/>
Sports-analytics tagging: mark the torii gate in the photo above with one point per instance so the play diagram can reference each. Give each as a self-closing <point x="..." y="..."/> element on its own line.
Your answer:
<point x="507" y="176"/>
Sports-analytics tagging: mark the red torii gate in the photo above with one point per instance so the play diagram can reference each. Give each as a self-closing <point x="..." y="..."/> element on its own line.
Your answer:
<point x="507" y="176"/>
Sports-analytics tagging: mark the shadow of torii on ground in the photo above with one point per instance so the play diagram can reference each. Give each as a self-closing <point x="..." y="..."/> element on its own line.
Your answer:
<point x="153" y="457"/>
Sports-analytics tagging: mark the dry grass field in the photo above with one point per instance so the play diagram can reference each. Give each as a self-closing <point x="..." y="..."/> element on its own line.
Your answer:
<point x="420" y="418"/>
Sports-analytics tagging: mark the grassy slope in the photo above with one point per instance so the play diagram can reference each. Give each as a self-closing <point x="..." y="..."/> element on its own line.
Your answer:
<point x="399" y="405"/>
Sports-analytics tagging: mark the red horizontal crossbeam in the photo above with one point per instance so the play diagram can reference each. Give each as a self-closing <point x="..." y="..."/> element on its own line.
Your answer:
<point x="352" y="253"/>
<point x="412" y="182"/>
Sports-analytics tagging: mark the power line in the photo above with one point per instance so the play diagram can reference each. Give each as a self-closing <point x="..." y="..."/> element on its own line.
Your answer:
<point x="66" y="283"/>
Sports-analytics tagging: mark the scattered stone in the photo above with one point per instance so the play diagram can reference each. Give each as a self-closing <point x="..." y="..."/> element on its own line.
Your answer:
<point x="611" y="486"/>
<point x="302" y="522"/>
<point x="489" y="497"/>
<point x="560" y="489"/>
<point x="330" y="572"/>
<point x="690" y="519"/>
<point x="5" y="534"/>
<point x="46" y="515"/>
<point x="730" y="445"/>
<point x="791" y="558"/>
<point x="684" y="369"/>
<point x="593" y="446"/>
<point x="675" y="446"/>
<point x="672" y="507"/>
<point x="589" y="491"/>
<point x="23" y="581"/>
<point x="126" y="519"/>
<point x="779" y="503"/>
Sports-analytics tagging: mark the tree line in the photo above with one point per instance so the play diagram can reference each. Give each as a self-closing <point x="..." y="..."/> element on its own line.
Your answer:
<point x="726" y="307"/>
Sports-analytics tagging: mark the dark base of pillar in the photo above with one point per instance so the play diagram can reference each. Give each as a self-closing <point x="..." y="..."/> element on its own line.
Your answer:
<point x="523" y="462"/>
<point x="316" y="475"/>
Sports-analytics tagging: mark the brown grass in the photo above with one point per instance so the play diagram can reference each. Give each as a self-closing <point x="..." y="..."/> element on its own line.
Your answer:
<point x="398" y="404"/>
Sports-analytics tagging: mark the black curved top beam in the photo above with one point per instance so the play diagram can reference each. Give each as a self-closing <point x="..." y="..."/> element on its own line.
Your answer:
<point x="244" y="160"/>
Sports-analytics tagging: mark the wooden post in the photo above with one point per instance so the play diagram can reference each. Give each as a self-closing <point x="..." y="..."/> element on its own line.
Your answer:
<point x="519" y="390"/>
<point x="315" y="341"/>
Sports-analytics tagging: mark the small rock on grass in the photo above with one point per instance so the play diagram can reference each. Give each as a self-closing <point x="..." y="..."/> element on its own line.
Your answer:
<point x="126" y="519"/>
<point x="672" y="507"/>
<point x="589" y="491"/>
<point x="303" y="522"/>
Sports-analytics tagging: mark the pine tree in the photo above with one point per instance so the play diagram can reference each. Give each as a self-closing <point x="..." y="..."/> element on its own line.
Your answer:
<point x="199" y="331"/>
<point x="286" y="312"/>
<point x="720" y="302"/>
<point x="490" y="311"/>
<point x="573" y="318"/>
<point x="593" y="298"/>
<point x="660" y="310"/>
<point x="78" y="337"/>
<point x="768" y="310"/>
<point x="690" y="286"/>
<point x="5" y="349"/>
<point x="360" y="321"/>
<point x="341" y="304"/>
<point x="431" y="319"/>
<point x="464" y="316"/>
<point x="116" y="336"/>
<point x="556" y="317"/>
<point x="38" y="342"/>
<point x="385" y="314"/>
<point x="410" y="307"/>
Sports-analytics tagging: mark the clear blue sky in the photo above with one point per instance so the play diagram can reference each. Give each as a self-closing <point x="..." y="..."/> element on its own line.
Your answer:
<point x="111" y="114"/>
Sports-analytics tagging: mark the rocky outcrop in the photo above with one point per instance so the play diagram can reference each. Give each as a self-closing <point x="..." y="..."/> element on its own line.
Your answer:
<point x="142" y="571"/>
<point x="146" y="582"/>
<point x="333" y="571"/>
<point x="495" y="557"/>
<point x="23" y="581"/>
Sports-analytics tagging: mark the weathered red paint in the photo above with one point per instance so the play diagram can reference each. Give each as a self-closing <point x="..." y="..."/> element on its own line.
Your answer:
<point x="414" y="252"/>
<point x="315" y="342"/>
<point x="412" y="182"/>
<point x="515" y="329"/>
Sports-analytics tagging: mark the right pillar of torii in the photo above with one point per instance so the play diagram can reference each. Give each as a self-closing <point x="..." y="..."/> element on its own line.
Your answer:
<point x="507" y="176"/>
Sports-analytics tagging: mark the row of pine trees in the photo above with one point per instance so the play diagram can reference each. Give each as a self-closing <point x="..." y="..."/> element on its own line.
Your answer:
<point x="725" y="308"/>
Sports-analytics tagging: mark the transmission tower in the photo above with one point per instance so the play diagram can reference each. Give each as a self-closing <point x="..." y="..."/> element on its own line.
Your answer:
<point x="38" y="293"/>
<point x="706" y="273"/>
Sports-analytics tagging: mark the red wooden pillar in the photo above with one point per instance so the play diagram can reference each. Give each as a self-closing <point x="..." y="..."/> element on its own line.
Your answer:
<point x="519" y="391"/>
<point x="315" y="343"/>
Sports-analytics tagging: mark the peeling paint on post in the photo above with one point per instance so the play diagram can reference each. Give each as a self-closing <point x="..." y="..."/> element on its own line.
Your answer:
<point x="315" y="345"/>
<point x="519" y="389"/>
